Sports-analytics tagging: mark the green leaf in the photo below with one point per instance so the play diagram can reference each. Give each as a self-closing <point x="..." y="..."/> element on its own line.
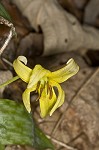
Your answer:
<point x="2" y="147"/>
<point x="15" y="124"/>
<point x="18" y="127"/>
<point x="40" y="140"/>
<point x="4" y="13"/>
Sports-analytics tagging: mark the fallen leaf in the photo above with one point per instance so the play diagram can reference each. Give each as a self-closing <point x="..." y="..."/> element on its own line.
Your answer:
<point x="71" y="7"/>
<point x="61" y="30"/>
<point x="34" y="46"/>
<point x="91" y="12"/>
<point x="80" y="4"/>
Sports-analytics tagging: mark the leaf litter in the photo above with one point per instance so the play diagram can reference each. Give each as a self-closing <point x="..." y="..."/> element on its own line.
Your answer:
<point x="75" y="125"/>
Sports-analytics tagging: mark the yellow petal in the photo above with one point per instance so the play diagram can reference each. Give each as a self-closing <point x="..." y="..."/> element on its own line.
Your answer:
<point x="46" y="104"/>
<point x="22" y="71"/>
<point x="60" y="98"/>
<point x="23" y="59"/>
<point x="66" y="72"/>
<point x="26" y="98"/>
<point x="37" y="73"/>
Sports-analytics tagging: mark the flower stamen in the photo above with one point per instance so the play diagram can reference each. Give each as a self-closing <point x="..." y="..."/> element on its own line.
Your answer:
<point x="41" y="90"/>
<point x="47" y="87"/>
<point x="38" y="85"/>
<point x="50" y="92"/>
<point x="38" y="98"/>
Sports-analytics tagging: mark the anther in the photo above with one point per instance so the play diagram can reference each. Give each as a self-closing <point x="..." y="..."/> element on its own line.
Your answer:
<point x="41" y="90"/>
<point x="38" y="98"/>
<point x="50" y="92"/>
<point x="38" y="85"/>
<point x="47" y="87"/>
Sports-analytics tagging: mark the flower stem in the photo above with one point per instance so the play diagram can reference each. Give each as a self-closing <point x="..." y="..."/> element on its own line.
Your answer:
<point x="9" y="81"/>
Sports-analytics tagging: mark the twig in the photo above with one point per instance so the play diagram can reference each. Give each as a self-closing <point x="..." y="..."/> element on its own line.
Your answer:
<point x="8" y="62"/>
<point x="6" y="42"/>
<point x="7" y="23"/>
<point x="12" y="31"/>
<point x="61" y="143"/>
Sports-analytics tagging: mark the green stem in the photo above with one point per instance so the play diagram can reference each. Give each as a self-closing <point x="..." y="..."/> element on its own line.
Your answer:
<point x="9" y="81"/>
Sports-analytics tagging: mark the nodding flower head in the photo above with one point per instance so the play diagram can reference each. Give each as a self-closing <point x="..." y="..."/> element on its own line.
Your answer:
<point x="45" y="83"/>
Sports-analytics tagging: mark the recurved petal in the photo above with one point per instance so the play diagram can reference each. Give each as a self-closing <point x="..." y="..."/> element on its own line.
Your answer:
<point x="47" y="103"/>
<point x="37" y="73"/>
<point x="65" y="73"/>
<point x="60" y="98"/>
<point x="26" y="98"/>
<point x="22" y="71"/>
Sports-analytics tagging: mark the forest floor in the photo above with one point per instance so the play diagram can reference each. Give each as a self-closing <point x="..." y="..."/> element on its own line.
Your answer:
<point x="75" y="125"/>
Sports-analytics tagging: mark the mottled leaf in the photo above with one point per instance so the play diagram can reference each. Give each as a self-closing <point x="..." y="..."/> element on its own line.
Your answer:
<point x="17" y="127"/>
<point x="15" y="124"/>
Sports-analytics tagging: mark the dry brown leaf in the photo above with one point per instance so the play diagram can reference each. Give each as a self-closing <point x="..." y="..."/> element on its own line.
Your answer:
<point x="91" y="12"/>
<point x="31" y="45"/>
<point x="80" y="3"/>
<point x="71" y="7"/>
<point x="62" y="31"/>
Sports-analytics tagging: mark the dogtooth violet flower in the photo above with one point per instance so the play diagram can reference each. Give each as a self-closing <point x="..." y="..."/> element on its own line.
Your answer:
<point x="45" y="83"/>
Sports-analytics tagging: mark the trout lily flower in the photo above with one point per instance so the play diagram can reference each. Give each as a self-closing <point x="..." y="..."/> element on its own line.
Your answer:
<point x="46" y="83"/>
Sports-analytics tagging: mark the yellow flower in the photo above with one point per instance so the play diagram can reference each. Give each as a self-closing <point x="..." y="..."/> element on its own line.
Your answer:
<point x="45" y="82"/>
